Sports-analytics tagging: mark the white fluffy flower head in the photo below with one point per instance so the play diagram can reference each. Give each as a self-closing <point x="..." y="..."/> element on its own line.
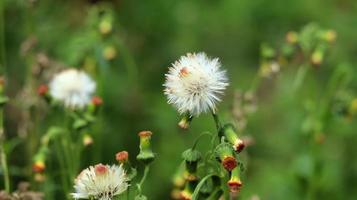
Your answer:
<point x="72" y="87"/>
<point x="100" y="182"/>
<point x="195" y="83"/>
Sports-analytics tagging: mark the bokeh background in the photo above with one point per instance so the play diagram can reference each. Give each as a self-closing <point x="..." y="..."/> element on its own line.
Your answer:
<point x="129" y="63"/>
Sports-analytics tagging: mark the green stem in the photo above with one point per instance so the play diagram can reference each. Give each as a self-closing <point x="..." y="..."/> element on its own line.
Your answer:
<point x="146" y="171"/>
<point x="3" y="154"/>
<point x="198" y="139"/>
<point x="62" y="163"/>
<point x="2" y="37"/>
<point x="255" y="83"/>
<point x="300" y="76"/>
<point x="129" y="63"/>
<point x="216" y="121"/>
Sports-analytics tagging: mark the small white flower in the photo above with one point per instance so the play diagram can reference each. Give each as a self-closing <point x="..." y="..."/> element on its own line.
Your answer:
<point x="101" y="182"/>
<point x="195" y="83"/>
<point x="72" y="87"/>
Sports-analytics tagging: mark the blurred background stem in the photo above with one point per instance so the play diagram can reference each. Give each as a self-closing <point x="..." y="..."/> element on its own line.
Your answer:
<point x="3" y="156"/>
<point x="2" y="152"/>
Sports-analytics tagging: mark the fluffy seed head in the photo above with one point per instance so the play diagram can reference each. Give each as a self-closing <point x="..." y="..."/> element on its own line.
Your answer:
<point x="72" y="87"/>
<point x="195" y="83"/>
<point x="101" y="182"/>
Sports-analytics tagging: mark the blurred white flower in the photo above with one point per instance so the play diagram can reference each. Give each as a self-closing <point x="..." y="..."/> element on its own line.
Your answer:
<point x="72" y="87"/>
<point x="195" y="83"/>
<point x="101" y="182"/>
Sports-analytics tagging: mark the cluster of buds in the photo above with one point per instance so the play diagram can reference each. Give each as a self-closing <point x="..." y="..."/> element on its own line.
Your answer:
<point x="191" y="158"/>
<point x="146" y="155"/>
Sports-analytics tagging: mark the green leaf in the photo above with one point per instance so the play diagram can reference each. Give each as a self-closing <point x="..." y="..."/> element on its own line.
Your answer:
<point x="79" y="123"/>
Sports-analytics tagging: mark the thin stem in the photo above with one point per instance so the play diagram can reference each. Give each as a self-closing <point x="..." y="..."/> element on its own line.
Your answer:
<point x="146" y="171"/>
<point x="216" y="121"/>
<point x="198" y="139"/>
<point x="2" y="37"/>
<point x="3" y="154"/>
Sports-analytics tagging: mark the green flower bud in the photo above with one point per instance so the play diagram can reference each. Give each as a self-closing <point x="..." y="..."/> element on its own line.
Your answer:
<point x="232" y="137"/>
<point x="146" y="155"/>
<point x="191" y="157"/>
<point x="225" y="154"/>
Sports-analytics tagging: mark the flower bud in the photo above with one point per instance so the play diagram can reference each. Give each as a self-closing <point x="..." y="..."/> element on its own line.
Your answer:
<point x="39" y="177"/>
<point x="105" y="26"/>
<point x="317" y="57"/>
<point x="232" y="137"/>
<point x="330" y="36"/>
<point x="176" y="194"/>
<point x="39" y="166"/>
<point x="42" y="90"/>
<point x="186" y="193"/>
<point x="109" y="53"/>
<point x="146" y="155"/>
<point x="185" y="121"/>
<point x="87" y="140"/>
<point x="2" y="84"/>
<point x="353" y="107"/>
<point x="225" y="154"/>
<point x="191" y="157"/>
<point x="292" y="37"/>
<point x="95" y="104"/>
<point x="122" y="157"/>
<point x="234" y="182"/>
<point x="97" y="101"/>
<point x="100" y="169"/>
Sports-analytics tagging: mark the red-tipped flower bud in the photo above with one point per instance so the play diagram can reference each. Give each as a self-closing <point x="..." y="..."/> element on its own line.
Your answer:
<point x="42" y="90"/>
<point x="100" y="169"/>
<point x="232" y="137"/>
<point x="146" y="155"/>
<point x="234" y="182"/>
<point x="122" y="157"/>
<point x="97" y="101"/>
<point x="39" y="166"/>
<point x="225" y="154"/>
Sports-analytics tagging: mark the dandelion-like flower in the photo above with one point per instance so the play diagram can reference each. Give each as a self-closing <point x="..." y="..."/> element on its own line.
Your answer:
<point x="72" y="87"/>
<point x="101" y="182"/>
<point x="195" y="83"/>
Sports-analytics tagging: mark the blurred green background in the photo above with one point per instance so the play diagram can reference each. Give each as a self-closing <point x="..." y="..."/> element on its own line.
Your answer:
<point x="147" y="37"/>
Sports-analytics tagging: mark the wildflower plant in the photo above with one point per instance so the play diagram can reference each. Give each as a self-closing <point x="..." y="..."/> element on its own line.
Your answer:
<point x="194" y="85"/>
<point x="71" y="94"/>
<point x="107" y="182"/>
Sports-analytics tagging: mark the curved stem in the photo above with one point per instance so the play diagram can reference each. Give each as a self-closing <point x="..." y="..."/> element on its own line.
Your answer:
<point x="146" y="172"/>
<point x="198" y="139"/>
